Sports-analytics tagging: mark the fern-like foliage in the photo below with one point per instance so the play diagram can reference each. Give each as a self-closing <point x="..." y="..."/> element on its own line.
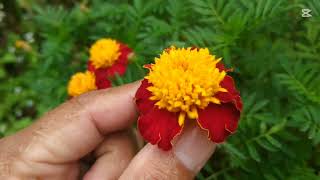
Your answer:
<point x="273" y="51"/>
<point x="303" y="81"/>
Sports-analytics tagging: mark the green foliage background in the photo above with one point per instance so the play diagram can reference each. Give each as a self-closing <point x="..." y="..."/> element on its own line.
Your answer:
<point x="275" y="54"/>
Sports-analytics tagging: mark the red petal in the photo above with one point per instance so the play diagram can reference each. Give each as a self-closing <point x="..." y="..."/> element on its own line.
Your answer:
<point x="101" y="74"/>
<point x="109" y="72"/>
<point x="147" y="66"/>
<point x="232" y="95"/>
<point x="238" y="102"/>
<point x="194" y="47"/>
<point x="125" y="51"/>
<point x="117" y="68"/>
<point x="120" y="67"/>
<point x="103" y="84"/>
<point x="159" y="126"/>
<point x="90" y="67"/>
<point x="142" y="92"/>
<point x="220" y="66"/>
<point x="143" y="102"/>
<point x="102" y="81"/>
<point x="220" y="120"/>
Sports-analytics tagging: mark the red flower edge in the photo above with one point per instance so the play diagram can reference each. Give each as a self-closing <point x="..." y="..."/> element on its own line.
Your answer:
<point x="155" y="133"/>
<point x="104" y="74"/>
<point x="159" y="126"/>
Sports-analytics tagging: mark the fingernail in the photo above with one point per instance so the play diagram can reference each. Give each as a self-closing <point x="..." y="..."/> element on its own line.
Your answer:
<point x="193" y="148"/>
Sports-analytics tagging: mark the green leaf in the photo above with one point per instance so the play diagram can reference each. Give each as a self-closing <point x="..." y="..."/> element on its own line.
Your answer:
<point x="266" y="145"/>
<point x="231" y="149"/>
<point x="253" y="152"/>
<point x="277" y="127"/>
<point x="273" y="141"/>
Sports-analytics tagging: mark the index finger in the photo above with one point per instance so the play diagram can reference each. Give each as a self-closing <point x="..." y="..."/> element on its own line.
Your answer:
<point x="76" y="127"/>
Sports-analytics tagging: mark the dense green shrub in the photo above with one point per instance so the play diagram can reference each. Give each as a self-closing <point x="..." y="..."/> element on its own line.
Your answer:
<point x="274" y="51"/>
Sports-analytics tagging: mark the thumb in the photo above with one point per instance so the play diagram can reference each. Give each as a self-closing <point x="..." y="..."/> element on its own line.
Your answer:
<point x="184" y="161"/>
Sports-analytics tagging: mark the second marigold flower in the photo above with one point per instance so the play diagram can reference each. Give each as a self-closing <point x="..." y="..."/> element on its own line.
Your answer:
<point x="107" y="58"/>
<point x="187" y="84"/>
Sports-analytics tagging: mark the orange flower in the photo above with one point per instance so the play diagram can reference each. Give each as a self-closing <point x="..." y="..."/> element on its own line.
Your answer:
<point x="187" y="84"/>
<point x="81" y="83"/>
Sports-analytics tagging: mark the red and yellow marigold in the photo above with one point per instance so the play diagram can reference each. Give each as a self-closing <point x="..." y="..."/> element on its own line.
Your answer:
<point x="187" y="84"/>
<point x="107" y="58"/>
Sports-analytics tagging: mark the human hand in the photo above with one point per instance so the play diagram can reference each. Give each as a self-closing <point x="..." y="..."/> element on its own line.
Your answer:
<point x="97" y="123"/>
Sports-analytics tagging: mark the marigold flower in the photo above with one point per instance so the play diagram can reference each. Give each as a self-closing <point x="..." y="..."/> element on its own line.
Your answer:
<point x="21" y="44"/>
<point x="81" y="83"/>
<point x="187" y="84"/>
<point x="107" y="58"/>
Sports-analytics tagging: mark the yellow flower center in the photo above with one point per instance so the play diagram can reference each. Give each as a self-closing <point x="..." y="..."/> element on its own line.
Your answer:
<point x="104" y="53"/>
<point x="81" y="83"/>
<point x="185" y="79"/>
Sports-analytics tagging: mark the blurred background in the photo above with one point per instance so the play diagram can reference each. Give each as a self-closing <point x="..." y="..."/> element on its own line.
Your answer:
<point x="272" y="45"/>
